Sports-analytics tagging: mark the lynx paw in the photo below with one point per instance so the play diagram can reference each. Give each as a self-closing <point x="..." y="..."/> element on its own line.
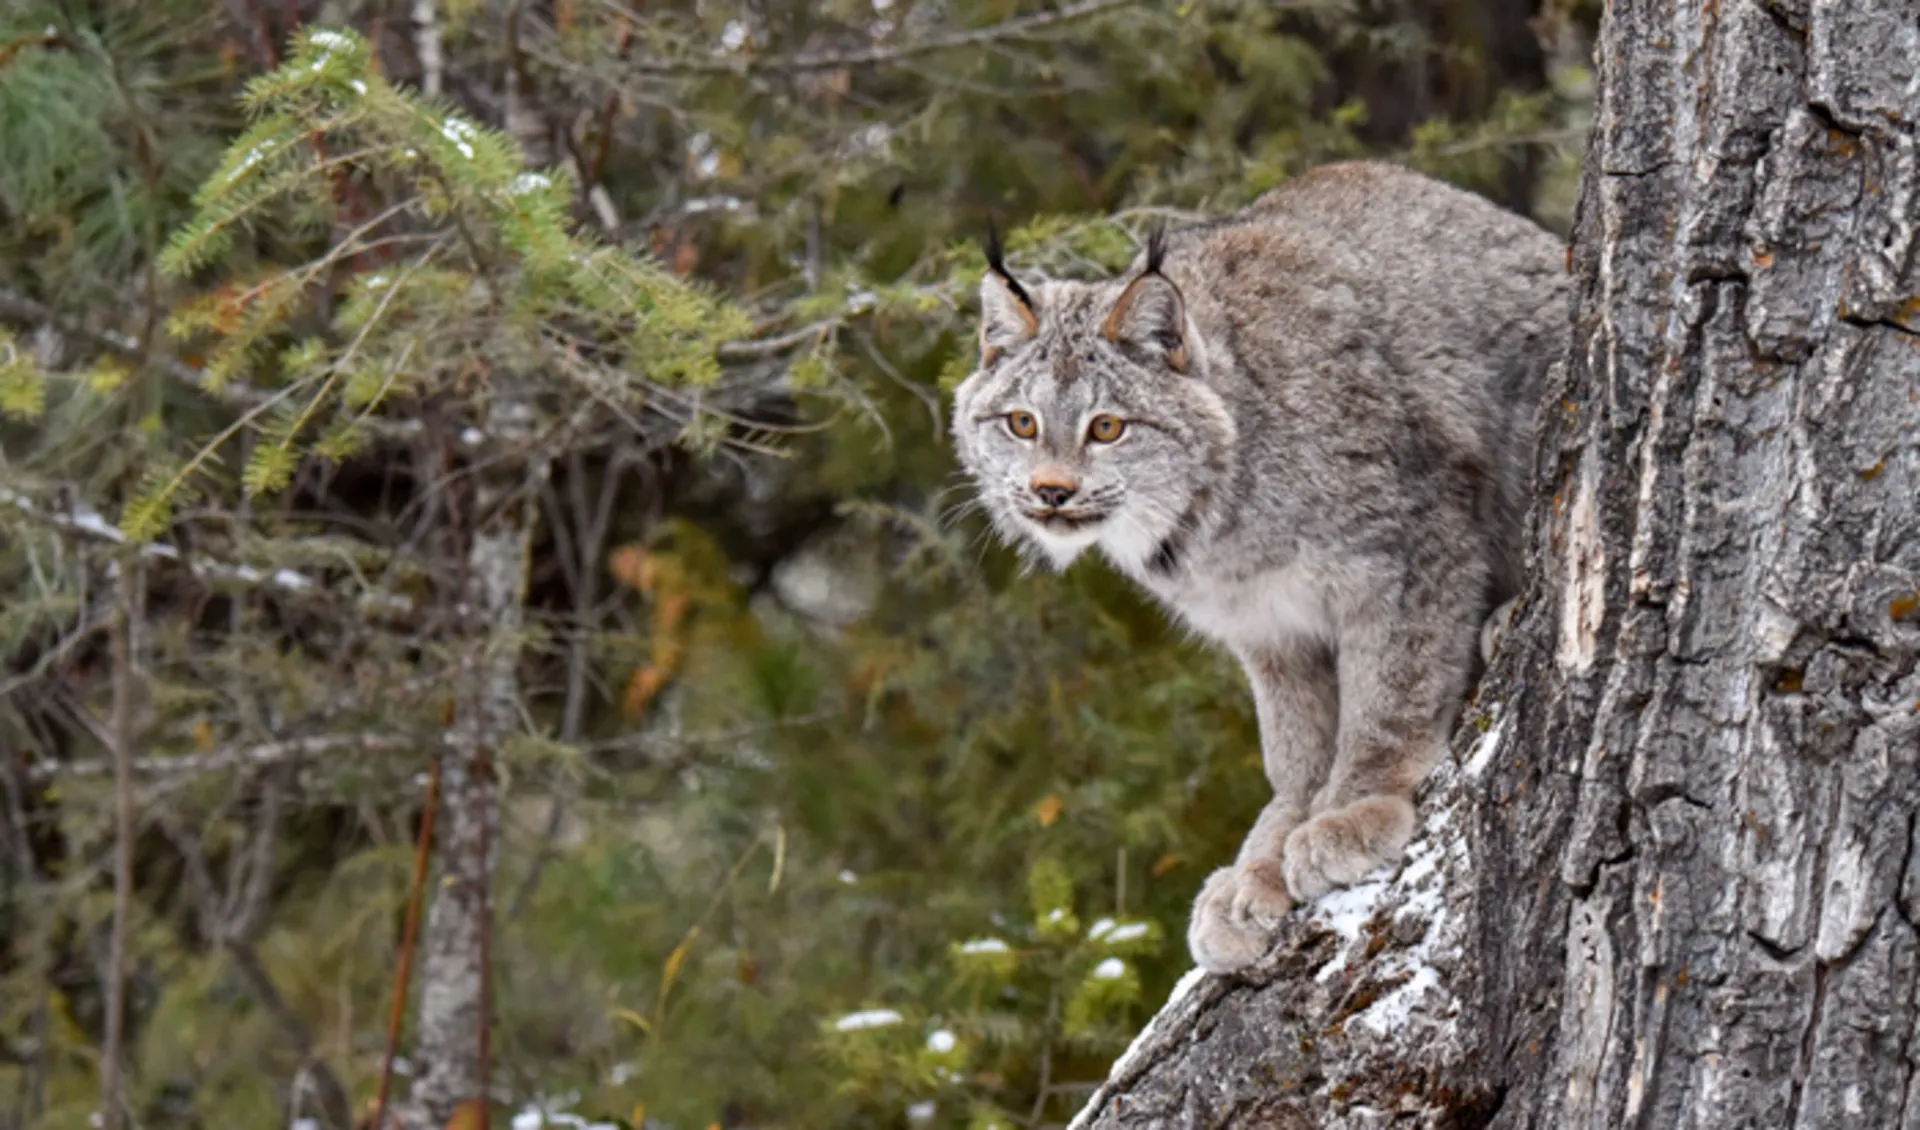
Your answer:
<point x="1335" y="848"/>
<point x="1235" y="915"/>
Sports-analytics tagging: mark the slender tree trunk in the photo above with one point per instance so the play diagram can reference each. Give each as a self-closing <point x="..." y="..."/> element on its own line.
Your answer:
<point x="1665" y="881"/>
<point x="452" y="1038"/>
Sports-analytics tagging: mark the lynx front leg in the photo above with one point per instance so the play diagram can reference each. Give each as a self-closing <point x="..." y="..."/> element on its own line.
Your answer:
<point x="1403" y="668"/>
<point x="1239" y="906"/>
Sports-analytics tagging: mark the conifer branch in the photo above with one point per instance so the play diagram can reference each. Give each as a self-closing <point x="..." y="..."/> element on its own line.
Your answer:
<point x="238" y="394"/>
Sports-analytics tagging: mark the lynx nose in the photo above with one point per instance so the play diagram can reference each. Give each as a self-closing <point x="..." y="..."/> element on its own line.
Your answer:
<point x="1054" y="494"/>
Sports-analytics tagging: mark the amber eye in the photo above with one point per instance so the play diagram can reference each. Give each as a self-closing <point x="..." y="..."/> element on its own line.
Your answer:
<point x="1106" y="429"/>
<point x="1023" y="425"/>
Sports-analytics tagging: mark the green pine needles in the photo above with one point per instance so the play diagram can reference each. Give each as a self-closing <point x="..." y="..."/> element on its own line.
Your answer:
<point x="395" y="250"/>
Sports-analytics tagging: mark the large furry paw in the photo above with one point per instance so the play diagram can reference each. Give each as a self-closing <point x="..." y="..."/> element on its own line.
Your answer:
<point x="1235" y="916"/>
<point x="1335" y="848"/>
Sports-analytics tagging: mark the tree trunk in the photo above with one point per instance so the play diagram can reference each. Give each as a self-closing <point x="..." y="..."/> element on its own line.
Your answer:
<point x="452" y="1040"/>
<point x="1665" y="880"/>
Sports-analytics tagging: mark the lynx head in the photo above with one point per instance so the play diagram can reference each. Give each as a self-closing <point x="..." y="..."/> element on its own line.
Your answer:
<point x="1090" y="420"/>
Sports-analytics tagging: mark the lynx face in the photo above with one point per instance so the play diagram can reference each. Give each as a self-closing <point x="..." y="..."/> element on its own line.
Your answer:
<point x="1087" y="422"/>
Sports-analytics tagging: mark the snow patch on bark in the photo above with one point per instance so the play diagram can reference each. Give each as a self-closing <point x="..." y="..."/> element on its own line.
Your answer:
<point x="1481" y="754"/>
<point x="1346" y="909"/>
<point x="1421" y="890"/>
<point x="1392" y="1012"/>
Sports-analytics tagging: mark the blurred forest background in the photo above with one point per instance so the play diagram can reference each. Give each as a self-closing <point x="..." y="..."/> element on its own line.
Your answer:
<point x="533" y="411"/>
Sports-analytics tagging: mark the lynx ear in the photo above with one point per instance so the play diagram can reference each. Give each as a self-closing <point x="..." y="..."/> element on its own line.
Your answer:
<point x="1150" y="313"/>
<point x="1007" y="314"/>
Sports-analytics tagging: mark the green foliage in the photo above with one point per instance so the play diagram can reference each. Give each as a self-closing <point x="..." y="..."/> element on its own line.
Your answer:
<point x="493" y="268"/>
<point x="23" y="388"/>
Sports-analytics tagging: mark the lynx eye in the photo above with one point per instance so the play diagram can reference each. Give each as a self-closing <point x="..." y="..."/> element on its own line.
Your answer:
<point x="1023" y="425"/>
<point x="1106" y="429"/>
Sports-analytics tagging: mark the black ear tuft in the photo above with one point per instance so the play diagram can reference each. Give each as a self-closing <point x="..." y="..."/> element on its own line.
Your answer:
<point x="997" y="263"/>
<point x="1156" y="248"/>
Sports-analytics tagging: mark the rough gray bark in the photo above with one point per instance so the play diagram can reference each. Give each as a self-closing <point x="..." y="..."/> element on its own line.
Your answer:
<point x="1666" y="881"/>
<point x="449" y="1041"/>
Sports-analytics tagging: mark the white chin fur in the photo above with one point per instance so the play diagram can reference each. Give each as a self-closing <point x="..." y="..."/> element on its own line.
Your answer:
<point x="1060" y="549"/>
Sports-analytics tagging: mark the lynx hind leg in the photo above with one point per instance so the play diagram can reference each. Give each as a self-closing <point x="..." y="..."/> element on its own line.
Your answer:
<point x="1404" y="665"/>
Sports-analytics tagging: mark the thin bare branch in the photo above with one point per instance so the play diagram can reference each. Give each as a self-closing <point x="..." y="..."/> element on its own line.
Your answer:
<point x="581" y="553"/>
<point x="261" y="756"/>
<point x="250" y="874"/>
<point x="1019" y="27"/>
<point x="732" y="352"/>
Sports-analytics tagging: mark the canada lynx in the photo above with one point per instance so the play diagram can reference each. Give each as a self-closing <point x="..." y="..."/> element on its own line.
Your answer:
<point x="1307" y="429"/>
